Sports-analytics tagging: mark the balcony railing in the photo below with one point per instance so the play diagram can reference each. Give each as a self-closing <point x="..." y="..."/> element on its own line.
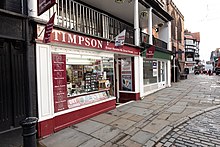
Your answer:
<point x="144" y="37"/>
<point x="81" y="18"/>
<point x="157" y="42"/>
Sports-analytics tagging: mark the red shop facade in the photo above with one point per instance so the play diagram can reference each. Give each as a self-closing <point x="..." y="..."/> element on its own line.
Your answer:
<point x="80" y="76"/>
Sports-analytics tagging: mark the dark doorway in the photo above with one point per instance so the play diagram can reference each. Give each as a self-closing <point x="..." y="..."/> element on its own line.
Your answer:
<point x="12" y="83"/>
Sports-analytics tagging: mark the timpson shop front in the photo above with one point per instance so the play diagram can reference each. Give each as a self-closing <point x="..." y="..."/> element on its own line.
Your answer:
<point x="79" y="76"/>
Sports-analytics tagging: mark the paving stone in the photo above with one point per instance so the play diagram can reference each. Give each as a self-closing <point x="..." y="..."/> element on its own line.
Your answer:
<point x="141" y="137"/>
<point x="88" y="126"/>
<point x="116" y="112"/>
<point x="207" y="143"/>
<point x="105" y="118"/>
<point x="124" y="107"/>
<point x="161" y="133"/>
<point x="150" y="143"/>
<point x="179" y="145"/>
<point x="132" y="130"/>
<point x="67" y="137"/>
<point x="123" y="124"/>
<point x="127" y="115"/>
<point x="92" y="143"/>
<point x="159" y="144"/>
<point x="171" y="140"/>
<point x="107" y="133"/>
<point x="156" y="125"/>
<point x="120" y="138"/>
<point x="142" y="123"/>
<point x="131" y="143"/>
<point x="163" y="116"/>
<point x="136" y="118"/>
<point x="110" y="144"/>
<point x="139" y="111"/>
<point x="168" y="144"/>
<point x="176" y="109"/>
<point x="143" y="105"/>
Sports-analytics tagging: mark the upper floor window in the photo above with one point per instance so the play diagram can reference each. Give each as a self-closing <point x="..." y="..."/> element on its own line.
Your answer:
<point x="12" y="5"/>
<point x="189" y="42"/>
<point x="179" y="31"/>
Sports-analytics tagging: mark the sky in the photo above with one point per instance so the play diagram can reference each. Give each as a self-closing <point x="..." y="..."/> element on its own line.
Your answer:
<point x="202" y="16"/>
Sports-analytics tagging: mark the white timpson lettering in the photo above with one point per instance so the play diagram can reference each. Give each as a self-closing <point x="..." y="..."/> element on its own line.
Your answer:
<point x="87" y="41"/>
<point x="56" y="35"/>
<point x="93" y="43"/>
<point x="70" y="38"/>
<point x="99" y="44"/>
<point x="74" y="38"/>
<point x="64" y="37"/>
<point x="107" y="44"/>
<point x="80" y="40"/>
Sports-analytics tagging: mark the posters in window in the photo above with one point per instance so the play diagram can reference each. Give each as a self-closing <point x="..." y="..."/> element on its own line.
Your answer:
<point x="126" y="74"/>
<point x="154" y="66"/>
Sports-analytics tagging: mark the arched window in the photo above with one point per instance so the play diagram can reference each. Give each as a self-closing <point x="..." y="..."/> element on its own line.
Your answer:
<point x="179" y="31"/>
<point x="173" y="26"/>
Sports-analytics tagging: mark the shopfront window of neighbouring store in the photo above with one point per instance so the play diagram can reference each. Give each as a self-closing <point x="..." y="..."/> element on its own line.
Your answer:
<point x="87" y="74"/>
<point x="150" y="71"/>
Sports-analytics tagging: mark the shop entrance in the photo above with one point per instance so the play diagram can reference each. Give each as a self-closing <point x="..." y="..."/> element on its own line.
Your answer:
<point x="12" y="84"/>
<point x="124" y="78"/>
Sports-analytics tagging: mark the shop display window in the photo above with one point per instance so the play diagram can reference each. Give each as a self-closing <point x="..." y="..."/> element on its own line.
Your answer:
<point x="150" y="71"/>
<point x="89" y="74"/>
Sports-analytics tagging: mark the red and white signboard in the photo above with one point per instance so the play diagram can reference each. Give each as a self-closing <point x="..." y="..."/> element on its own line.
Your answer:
<point x="75" y="39"/>
<point x="48" y="29"/>
<point x="150" y="52"/>
<point x="44" y="5"/>
<point x="59" y="82"/>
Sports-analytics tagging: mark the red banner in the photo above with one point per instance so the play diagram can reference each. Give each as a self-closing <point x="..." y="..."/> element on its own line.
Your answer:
<point x="48" y="29"/>
<point x="150" y="52"/>
<point x="44" y="5"/>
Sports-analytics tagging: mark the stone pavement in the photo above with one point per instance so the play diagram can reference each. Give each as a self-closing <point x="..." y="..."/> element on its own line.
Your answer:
<point x="146" y="122"/>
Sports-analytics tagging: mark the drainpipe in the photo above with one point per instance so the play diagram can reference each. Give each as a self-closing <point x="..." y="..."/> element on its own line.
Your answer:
<point x="150" y="27"/>
<point x="136" y="24"/>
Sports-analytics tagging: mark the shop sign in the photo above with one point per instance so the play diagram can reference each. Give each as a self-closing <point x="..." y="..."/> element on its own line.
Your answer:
<point x="59" y="82"/>
<point x="87" y="99"/>
<point x="74" y="39"/>
<point x="48" y="29"/>
<point x="150" y="52"/>
<point x="126" y="74"/>
<point x="44" y="5"/>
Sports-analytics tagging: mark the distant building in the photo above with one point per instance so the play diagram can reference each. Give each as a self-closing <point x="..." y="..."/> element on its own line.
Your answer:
<point x="192" y="41"/>
<point x="177" y="39"/>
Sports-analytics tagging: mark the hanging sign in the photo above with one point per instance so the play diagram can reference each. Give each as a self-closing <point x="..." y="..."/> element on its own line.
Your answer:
<point x="44" y="5"/>
<point x="48" y="29"/>
<point x="150" y="52"/>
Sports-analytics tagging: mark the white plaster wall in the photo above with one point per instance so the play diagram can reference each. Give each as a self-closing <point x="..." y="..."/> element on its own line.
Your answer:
<point x="44" y="82"/>
<point x="164" y="33"/>
<point x="137" y="74"/>
<point x="141" y="76"/>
